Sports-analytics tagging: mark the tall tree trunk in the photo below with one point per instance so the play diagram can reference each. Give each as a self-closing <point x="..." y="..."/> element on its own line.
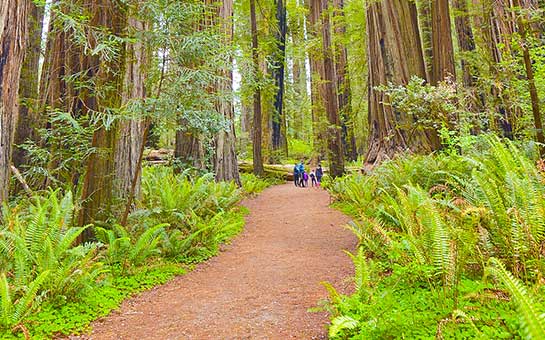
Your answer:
<point x="442" y="48"/>
<point x="189" y="150"/>
<point x="99" y="184"/>
<point x="494" y="25"/>
<point x="343" y="84"/>
<point x="225" y="159"/>
<point x="257" y="128"/>
<point x="13" y="31"/>
<point x="330" y="100"/>
<point x="466" y="43"/>
<point x="394" y="55"/>
<point x="523" y="30"/>
<point x="424" y="20"/>
<point x="28" y="85"/>
<point x="317" y="91"/>
<point x="131" y="131"/>
<point x="279" y="57"/>
<point x="65" y="67"/>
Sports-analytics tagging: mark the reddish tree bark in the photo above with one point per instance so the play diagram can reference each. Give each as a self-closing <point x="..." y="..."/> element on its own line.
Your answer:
<point x="13" y="38"/>
<point x="442" y="48"/>
<point x="394" y="55"/>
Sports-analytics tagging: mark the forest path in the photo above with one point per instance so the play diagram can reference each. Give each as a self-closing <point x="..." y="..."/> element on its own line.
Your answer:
<point x="260" y="287"/>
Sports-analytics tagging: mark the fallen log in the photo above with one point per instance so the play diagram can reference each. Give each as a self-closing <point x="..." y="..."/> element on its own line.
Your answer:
<point x="276" y="171"/>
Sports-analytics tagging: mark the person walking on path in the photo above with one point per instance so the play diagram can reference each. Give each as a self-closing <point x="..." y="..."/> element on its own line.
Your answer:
<point x="313" y="179"/>
<point x="301" y="172"/>
<point x="319" y="174"/>
<point x="296" y="175"/>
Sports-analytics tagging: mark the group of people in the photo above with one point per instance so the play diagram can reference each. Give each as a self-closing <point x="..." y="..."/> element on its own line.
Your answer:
<point x="301" y="177"/>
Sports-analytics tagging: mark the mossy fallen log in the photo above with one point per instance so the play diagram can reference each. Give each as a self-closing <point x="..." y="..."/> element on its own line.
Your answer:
<point x="276" y="171"/>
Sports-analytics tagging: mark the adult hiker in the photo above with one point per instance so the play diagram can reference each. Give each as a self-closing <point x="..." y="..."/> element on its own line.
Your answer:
<point x="296" y="175"/>
<point x="319" y="174"/>
<point x="301" y="168"/>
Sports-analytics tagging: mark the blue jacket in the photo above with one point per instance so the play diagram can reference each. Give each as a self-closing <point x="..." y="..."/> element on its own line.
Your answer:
<point x="301" y="168"/>
<point x="296" y="169"/>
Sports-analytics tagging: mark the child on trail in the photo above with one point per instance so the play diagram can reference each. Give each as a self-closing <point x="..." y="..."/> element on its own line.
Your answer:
<point x="296" y="175"/>
<point x="305" y="179"/>
<point x="319" y="174"/>
<point x="313" y="178"/>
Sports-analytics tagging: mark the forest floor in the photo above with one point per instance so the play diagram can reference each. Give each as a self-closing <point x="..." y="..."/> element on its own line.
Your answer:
<point x="261" y="286"/>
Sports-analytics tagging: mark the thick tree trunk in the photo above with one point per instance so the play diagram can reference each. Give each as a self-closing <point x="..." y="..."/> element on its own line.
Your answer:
<point x="278" y="75"/>
<point x="330" y="99"/>
<point x="225" y="159"/>
<point x="394" y="55"/>
<point x="318" y="90"/>
<point x="65" y="66"/>
<point x="13" y="31"/>
<point x="108" y="76"/>
<point x="343" y="85"/>
<point x="28" y="85"/>
<point x="189" y="150"/>
<point x="442" y="49"/>
<point x="257" y="128"/>
<point x="131" y="131"/>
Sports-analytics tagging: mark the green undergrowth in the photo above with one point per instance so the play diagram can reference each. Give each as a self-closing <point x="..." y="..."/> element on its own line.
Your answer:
<point x="450" y="247"/>
<point x="253" y="185"/>
<point x="50" y="285"/>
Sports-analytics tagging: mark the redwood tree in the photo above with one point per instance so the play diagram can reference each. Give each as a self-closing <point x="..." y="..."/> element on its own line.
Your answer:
<point x="343" y="84"/>
<point x="279" y="57"/>
<point x="335" y="151"/>
<point x="108" y="76"/>
<point x="13" y="29"/>
<point x="225" y="158"/>
<point x="257" y="121"/>
<point x="442" y="48"/>
<point x="394" y="55"/>
<point x="28" y="85"/>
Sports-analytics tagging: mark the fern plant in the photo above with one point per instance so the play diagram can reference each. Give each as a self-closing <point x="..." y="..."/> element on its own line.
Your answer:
<point x="125" y="250"/>
<point x="532" y="320"/>
<point x="40" y="238"/>
<point x="17" y="304"/>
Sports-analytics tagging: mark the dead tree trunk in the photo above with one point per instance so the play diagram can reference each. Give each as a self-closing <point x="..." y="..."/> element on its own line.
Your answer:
<point x="394" y="55"/>
<point x="13" y="30"/>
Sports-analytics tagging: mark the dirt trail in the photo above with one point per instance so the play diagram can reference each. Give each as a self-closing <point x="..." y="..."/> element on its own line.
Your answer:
<point x="260" y="287"/>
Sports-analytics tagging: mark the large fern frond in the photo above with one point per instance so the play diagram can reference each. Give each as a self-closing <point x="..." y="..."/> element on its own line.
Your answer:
<point x="532" y="320"/>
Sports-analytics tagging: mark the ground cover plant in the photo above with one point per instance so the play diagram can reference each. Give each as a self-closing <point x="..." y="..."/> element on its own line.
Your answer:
<point x="51" y="285"/>
<point x="450" y="247"/>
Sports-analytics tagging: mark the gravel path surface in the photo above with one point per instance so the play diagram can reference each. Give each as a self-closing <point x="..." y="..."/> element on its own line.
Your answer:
<point x="260" y="287"/>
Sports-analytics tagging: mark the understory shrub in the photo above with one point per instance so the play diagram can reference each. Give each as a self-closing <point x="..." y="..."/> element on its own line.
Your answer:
<point x="430" y="229"/>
